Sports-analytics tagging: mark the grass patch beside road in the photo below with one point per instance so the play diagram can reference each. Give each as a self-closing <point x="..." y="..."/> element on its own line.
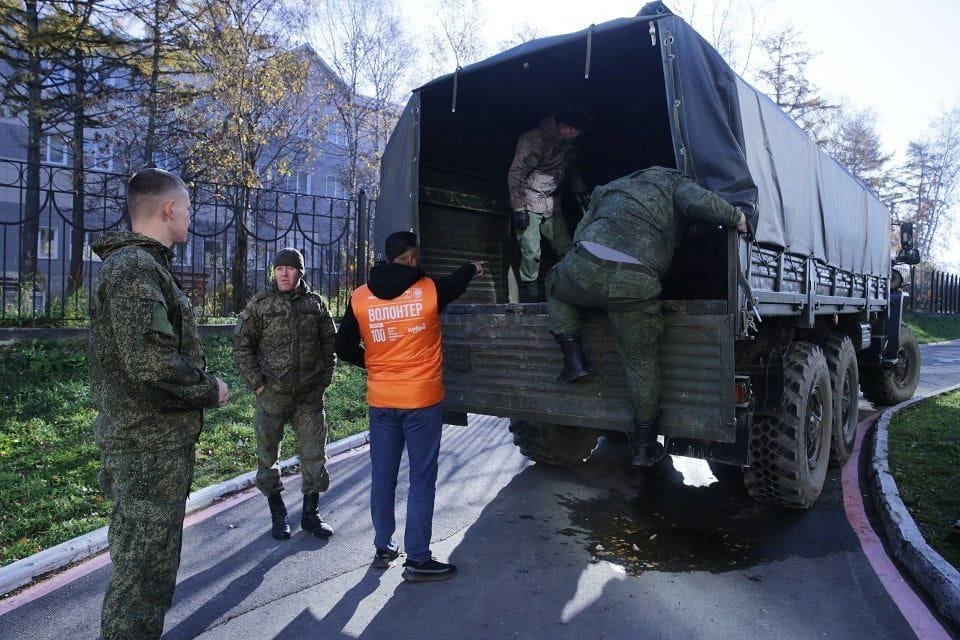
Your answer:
<point x="49" y="460"/>
<point x="933" y="327"/>
<point x="924" y="450"/>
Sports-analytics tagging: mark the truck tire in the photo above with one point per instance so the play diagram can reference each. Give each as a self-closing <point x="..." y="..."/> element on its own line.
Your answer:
<point x="553" y="444"/>
<point x="845" y="385"/>
<point x="887" y="387"/>
<point x="790" y="450"/>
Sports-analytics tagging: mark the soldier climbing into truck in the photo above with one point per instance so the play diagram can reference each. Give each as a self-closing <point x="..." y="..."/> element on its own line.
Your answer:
<point x="622" y="248"/>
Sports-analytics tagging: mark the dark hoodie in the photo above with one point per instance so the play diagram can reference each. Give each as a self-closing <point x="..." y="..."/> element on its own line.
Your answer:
<point x="146" y="361"/>
<point x="387" y="281"/>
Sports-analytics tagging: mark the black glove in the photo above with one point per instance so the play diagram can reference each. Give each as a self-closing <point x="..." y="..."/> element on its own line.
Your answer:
<point x="521" y="220"/>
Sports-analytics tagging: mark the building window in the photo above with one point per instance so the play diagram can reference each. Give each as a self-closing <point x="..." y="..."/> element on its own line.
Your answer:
<point x="336" y="134"/>
<point x="298" y="182"/>
<point x="334" y="188"/>
<point x="54" y="150"/>
<point x="47" y="244"/>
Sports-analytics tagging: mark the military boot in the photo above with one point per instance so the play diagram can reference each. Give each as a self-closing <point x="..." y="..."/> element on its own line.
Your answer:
<point x="278" y="513"/>
<point x="574" y="365"/>
<point x="530" y="291"/>
<point x="646" y="450"/>
<point x="310" y="520"/>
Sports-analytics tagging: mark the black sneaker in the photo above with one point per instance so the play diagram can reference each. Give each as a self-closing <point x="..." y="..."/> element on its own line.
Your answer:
<point x="384" y="558"/>
<point x="427" y="570"/>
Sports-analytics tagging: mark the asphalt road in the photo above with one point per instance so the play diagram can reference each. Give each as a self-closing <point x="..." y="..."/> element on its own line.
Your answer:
<point x="600" y="552"/>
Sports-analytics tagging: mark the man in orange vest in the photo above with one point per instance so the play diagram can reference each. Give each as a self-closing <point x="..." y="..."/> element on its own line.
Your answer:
<point x="396" y="316"/>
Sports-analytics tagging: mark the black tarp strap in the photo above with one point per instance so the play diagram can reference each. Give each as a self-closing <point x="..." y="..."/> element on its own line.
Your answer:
<point x="456" y="81"/>
<point x="586" y="68"/>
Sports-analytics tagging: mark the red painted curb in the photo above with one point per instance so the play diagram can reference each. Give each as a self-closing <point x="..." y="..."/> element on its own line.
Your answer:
<point x="914" y="610"/>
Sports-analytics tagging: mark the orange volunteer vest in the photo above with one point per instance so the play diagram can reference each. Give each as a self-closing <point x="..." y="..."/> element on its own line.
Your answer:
<point x="402" y="343"/>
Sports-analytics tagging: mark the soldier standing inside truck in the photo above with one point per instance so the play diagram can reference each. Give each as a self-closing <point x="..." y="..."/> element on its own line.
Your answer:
<point x="622" y="248"/>
<point x="544" y="157"/>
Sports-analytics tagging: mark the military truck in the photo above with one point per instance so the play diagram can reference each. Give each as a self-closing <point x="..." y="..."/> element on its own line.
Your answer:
<point x="767" y="337"/>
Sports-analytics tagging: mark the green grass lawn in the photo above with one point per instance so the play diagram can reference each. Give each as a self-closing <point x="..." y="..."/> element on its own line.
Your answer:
<point x="49" y="461"/>
<point x="933" y="327"/>
<point x="924" y="451"/>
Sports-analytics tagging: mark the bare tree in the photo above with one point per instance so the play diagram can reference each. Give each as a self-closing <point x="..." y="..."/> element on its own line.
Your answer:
<point x="853" y="140"/>
<point x="785" y="81"/>
<point x="455" y="38"/>
<point x="929" y="180"/>
<point x="369" y="55"/>
<point x="521" y="34"/>
<point x="733" y="27"/>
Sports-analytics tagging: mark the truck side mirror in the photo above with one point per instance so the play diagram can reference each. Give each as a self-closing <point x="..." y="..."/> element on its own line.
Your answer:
<point x="908" y="254"/>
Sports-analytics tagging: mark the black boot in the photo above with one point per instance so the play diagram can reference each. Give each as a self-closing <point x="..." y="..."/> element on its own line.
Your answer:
<point x="278" y="514"/>
<point x="646" y="450"/>
<point x="574" y="366"/>
<point x="530" y="291"/>
<point x="310" y="520"/>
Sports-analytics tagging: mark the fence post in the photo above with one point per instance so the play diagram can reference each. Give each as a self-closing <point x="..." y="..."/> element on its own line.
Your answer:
<point x="913" y="288"/>
<point x="361" y="238"/>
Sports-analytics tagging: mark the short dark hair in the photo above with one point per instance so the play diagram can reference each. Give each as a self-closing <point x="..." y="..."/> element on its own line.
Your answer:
<point x="399" y="242"/>
<point x="149" y="183"/>
<point x="575" y="115"/>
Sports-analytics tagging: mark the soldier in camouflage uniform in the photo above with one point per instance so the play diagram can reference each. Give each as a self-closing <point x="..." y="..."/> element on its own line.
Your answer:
<point x="543" y="160"/>
<point x="622" y="248"/>
<point x="283" y="347"/>
<point x="149" y="386"/>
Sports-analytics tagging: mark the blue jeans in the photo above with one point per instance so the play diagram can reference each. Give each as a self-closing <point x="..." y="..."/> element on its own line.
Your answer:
<point x="420" y="430"/>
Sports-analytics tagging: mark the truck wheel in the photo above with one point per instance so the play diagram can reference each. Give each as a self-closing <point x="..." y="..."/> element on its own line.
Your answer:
<point x="790" y="451"/>
<point x="845" y="385"/>
<point x="887" y="387"/>
<point x="553" y="444"/>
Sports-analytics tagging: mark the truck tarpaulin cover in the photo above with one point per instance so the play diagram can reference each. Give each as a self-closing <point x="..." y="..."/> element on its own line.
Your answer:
<point x="726" y="135"/>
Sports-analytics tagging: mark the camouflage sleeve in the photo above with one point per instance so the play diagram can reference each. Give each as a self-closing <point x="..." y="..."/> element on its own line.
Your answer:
<point x="327" y="333"/>
<point x="147" y="342"/>
<point x="525" y="160"/>
<point x="246" y="340"/>
<point x="702" y="205"/>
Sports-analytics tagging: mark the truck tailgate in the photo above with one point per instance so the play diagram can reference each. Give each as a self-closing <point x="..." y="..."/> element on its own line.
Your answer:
<point x="499" y="359"/>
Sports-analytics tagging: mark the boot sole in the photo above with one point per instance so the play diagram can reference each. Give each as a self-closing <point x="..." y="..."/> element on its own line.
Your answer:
<point x="414" y="576"/>
<point x="319" y="534"/>
<point x="280" y="536"/>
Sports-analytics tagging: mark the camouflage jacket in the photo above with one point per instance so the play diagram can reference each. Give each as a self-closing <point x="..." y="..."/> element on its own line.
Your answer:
<point x="541" y="162"/>
<point x="285" y="340"/>
<point x="639" y="214"/>
<point x="146" y="361"/>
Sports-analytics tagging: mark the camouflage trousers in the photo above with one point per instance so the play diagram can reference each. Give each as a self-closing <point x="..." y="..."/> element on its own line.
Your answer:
<point x="551" y="227"/>
<point x="149" y="491"/>
<point x="633" y="312"/>
<point x="304" y="412"/>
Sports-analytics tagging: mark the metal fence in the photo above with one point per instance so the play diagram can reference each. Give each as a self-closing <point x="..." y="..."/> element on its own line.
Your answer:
<point x="932" y="290"/>
<point x="236" y="232"/>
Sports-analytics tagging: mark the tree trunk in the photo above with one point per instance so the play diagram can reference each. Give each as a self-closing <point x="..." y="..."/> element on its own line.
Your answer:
<point x="78" y="231"/>
<point x="30" y="231"/>
<point x="238" y="271"/>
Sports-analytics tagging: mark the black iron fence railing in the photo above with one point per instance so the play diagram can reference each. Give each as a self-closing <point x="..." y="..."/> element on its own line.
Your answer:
<point x="932" y="290"/>
<point x="235" y="234"/>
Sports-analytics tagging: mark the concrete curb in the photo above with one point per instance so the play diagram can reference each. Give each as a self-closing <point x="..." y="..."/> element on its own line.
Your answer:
<point x="23" y="572"/>
<point x="938" y="578"/>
